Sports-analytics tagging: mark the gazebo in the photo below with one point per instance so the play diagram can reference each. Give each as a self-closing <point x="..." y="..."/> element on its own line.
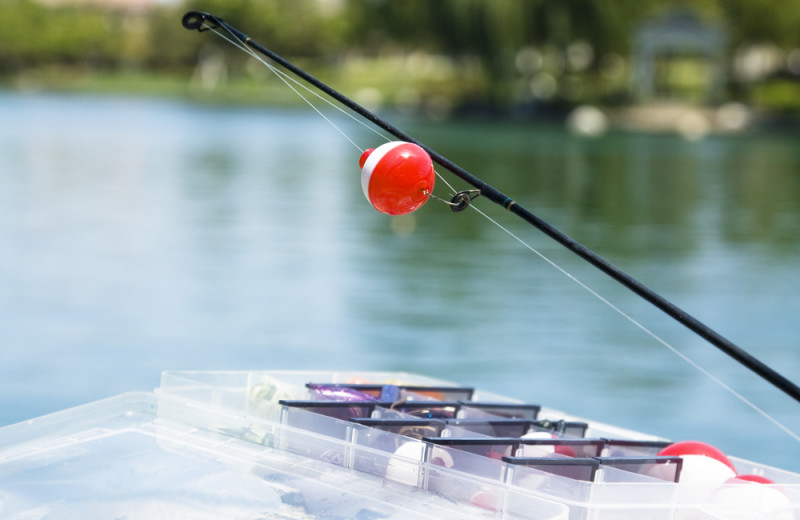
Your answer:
<point x="677" y="35"/>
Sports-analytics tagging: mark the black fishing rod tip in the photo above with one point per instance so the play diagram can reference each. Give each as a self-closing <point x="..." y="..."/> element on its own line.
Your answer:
<point x="194" y="19"/>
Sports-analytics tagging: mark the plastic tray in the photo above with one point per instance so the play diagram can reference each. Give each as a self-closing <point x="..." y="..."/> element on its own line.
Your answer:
<point x="220" y="445"/>
<point x="143" y="456"/>
<point x="614" y="493"/>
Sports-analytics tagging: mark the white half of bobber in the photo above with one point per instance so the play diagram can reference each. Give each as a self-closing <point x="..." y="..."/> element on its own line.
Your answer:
<point x="372" y="161"/>
<point x="702" y="469"/>
<point x="405" y="464"/>
<point x="535" y="450"/>
<point x="544" y="450"/>
<point x="744" y="499"/>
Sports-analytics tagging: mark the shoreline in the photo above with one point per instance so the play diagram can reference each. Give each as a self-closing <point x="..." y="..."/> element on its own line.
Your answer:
<point x="659" y="117"/>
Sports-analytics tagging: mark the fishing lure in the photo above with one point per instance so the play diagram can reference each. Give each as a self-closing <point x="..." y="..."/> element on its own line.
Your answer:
<point x="339" y="393"/>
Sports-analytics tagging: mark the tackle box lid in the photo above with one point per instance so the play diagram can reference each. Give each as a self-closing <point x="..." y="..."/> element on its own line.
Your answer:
<point x="133" y="456"/>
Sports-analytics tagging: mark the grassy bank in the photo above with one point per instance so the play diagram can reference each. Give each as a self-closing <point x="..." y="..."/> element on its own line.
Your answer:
<point x="147" y="83"/>
<point x="419" y="83"/>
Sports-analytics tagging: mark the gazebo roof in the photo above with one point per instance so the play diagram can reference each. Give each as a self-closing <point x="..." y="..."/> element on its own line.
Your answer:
<point x="680" y="29"/>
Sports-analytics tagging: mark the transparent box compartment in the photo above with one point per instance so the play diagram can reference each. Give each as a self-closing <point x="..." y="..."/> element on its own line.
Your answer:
<point x="616" y="494"/>
<point x="147" y="456"/>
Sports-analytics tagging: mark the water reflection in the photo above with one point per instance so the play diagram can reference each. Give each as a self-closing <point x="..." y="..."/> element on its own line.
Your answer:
<point x="746" y="187"/>
<point x="138" y="236"/>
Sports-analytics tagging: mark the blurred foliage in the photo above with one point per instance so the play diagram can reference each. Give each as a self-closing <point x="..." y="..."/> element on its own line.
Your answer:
<point x="35" y="34"/>
<point x="295" y="28"/>
<point x="484" y="39"/>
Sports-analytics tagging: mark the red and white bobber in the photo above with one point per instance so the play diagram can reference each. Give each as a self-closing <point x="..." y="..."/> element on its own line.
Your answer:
<point x="405" y="464"/>
<point x="702" y="463"/>
<point x="397" y="177"/>
<point x="546" y="450"/>
<point x="752" y="496"/>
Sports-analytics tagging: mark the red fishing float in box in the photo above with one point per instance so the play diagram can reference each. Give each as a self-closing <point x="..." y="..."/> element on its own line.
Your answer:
<point x="397" y="177"/>
<point x="751" y="496"/>
<point x="702" y="463"/>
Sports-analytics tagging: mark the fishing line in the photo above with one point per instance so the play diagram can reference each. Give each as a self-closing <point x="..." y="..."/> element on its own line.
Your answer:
<point x="643" y="328"/>
<point x="288" y="80"/>
<point x="541" y="255"/>
<point x="196" y="20"/>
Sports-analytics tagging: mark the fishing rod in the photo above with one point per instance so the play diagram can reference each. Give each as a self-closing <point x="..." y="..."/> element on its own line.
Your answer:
<point x="200" y="21"/>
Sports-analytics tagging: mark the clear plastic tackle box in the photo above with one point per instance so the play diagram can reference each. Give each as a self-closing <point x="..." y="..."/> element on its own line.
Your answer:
<point x="264" y="445"/>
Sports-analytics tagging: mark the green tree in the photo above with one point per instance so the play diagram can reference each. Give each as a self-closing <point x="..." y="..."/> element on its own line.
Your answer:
<point x="39" y="34"/>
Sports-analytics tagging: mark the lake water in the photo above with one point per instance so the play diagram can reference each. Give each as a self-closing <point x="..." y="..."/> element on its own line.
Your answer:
<point x="141" y="235"/>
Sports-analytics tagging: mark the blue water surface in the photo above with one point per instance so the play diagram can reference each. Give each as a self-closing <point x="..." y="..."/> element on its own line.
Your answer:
<point x="139" y="235"/>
